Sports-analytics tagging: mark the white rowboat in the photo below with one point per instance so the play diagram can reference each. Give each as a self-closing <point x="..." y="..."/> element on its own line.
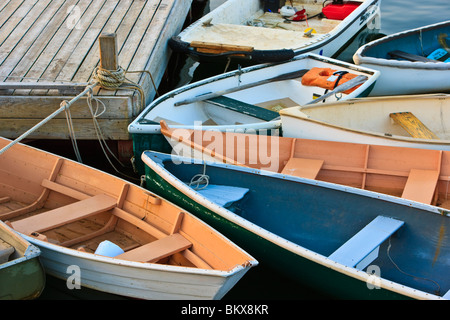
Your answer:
<point x="254" y="29"/>
<point x="246" y="100"/>
<point x="416" y="121"/>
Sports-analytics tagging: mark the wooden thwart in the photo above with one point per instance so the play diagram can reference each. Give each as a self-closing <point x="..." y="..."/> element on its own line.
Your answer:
<point x="421" y="185"/>
<point x="158" y="249"/>
<point x="362" y="248"/>
<point x="53" y="186"/>
<point x="304" y="168"/>
<point x="66" y="214"/>
<point x="4" y="199"/>
<point x="412" y="125"/>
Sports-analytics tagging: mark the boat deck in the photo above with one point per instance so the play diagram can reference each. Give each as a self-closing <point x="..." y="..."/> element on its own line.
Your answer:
<point x="57" y="42"/>
<point x="267" y="30"/>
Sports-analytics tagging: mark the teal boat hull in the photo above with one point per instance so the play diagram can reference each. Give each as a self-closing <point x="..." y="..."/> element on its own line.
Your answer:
<point x="22" y="281"/>
<point x="22" y="276"/>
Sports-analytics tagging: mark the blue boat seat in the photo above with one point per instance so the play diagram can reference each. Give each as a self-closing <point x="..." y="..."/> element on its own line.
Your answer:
<point x="447" y="295"/>
<point x="363" y="247"/>
<point x="223" y="195"/>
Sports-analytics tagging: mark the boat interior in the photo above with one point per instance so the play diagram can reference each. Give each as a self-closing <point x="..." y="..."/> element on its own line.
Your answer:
<point x="256" y="103"/>
<point x="390" y="231"/>
<point x="416" y="174"/>
<point x="402" y="116"/>
<point x="61" y="202"/>
<point x="217" y="33"/>
<point x="416" y="46"/>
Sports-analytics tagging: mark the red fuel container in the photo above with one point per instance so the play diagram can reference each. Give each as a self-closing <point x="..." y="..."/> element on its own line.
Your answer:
<point x="339" y="11"/>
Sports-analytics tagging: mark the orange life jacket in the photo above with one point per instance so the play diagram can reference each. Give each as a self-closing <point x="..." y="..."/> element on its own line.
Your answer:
<point x="325" y="78"/>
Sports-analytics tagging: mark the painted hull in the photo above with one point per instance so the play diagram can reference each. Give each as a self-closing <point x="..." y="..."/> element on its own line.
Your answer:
<point x="368" y="121"/>
<point x="228" y="34"/>
<point x="407" y="77"/>
<point x="163" y="252"/>
<point x="270" y="96"/>
<point x="22" y="276"/>
<point x="296" y="237"/>
<point x="136" y="280"/>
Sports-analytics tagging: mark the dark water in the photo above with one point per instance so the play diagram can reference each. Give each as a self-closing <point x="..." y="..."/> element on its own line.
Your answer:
<point x="396" y="15"/>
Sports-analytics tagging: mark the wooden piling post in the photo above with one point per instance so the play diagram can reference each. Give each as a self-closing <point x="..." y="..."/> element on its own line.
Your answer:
<point x="109" y="58"/>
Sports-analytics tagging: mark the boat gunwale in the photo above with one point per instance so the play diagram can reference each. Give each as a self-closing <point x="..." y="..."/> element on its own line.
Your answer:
<point x="142" y="265"/>
<point x="279" y="241"/>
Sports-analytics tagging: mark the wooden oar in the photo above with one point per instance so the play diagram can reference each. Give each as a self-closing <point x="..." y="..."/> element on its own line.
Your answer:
<point x="285" y="76"/>
<point x="442" y="42"/>
<point x="343" y="87"/>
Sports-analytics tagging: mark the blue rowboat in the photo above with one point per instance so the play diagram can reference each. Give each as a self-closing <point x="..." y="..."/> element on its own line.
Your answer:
<point x="351" y="243"/>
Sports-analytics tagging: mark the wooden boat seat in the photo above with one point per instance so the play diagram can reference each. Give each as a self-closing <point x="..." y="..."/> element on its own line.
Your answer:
<point x="421" y="185"/>
<point x="54" y="186"/>
<point x="4" y="199"/>
<point x="5" y="251"/>
<point x="66" y="214"/>
<point x="412" y="125"/>
<point x="304" y="168"/>
<point x="398" y="54"/>
<point x="360" y="250"/>
<point x="209" y="47"/>
<point x="243" y="107"/>
<point x="158" y="249"/>
<point x="224" y="196"/>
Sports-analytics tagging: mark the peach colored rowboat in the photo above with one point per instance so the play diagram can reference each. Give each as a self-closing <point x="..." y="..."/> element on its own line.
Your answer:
<point x="420" y="175"/>
<point x="69" y="210"/>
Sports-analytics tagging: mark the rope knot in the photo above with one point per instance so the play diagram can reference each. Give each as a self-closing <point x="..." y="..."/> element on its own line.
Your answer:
<point x="109" y="79"/>
<point x="65" y="104"/>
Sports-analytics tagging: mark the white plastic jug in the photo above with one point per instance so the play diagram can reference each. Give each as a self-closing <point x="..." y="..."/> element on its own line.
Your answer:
<point x="109" y="249"/>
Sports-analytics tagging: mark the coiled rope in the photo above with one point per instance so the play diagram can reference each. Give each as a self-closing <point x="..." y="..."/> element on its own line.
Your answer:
<point x="116" y="80"/>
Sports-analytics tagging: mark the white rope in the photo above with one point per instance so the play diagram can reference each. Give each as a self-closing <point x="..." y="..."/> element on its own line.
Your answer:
<point x="200" y="179"/>
<point x="116" y="80"/>
<point x="99" y="133"/>
<point x="72" y="133"/>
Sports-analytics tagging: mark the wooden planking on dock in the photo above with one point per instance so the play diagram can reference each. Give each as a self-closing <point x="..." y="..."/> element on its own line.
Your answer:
<point x="45" y="41"/>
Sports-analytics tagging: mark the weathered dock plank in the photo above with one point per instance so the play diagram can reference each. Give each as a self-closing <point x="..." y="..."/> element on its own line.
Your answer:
<point x="44" y="41"/>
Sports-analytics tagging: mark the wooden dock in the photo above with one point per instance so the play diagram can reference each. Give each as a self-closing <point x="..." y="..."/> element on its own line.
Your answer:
<point x="50" y="49"/>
